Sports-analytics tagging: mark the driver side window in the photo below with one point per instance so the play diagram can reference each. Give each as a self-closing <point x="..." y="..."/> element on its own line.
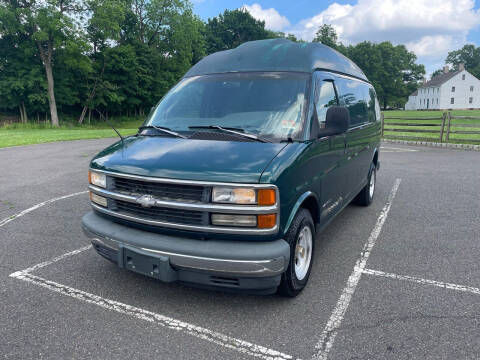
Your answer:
<point x="324" y="98"/>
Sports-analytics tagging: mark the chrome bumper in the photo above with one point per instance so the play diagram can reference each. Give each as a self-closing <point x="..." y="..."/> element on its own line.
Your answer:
<point x="219" y="257"/>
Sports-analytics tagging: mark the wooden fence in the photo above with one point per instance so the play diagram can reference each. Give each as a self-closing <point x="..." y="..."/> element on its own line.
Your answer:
<point x="444" y="128"/>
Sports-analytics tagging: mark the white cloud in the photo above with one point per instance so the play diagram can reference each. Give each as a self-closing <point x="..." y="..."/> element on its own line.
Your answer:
<point x="427" y="26"/>
<point x="430" y="28"/>
<point x="273" y="20"/>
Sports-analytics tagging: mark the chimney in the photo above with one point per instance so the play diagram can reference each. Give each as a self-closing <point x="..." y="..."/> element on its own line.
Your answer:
<point x="461" y="67"/>
<point x="445" y="69"/>
<point x="424" y="80"/>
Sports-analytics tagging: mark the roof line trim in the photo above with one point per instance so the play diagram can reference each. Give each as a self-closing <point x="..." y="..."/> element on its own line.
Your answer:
<point x="343" y="74"/>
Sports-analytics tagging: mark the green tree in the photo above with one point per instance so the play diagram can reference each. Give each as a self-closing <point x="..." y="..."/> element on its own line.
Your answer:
<point x="437" y="72"/>
<point x="46" y="24"/>
<point x="469" y="55"/>
<point x="391" y="69"/>
<point x="327" y="35"/>
<point x="232" y="28"/>
<point x="282" y="35"/>
<point x="22" y="80"/>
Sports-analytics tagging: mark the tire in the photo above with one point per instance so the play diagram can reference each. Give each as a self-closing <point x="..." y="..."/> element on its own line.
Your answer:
<point x="295" y="278"/>
<point x="365" y="197"/>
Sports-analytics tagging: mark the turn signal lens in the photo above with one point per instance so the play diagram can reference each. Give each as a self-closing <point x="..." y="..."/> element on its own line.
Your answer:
<point x="266" y="221"/>
<point x="234" y="220"/>
<point x="100" y="200"/>
<point x="266" y="197"/>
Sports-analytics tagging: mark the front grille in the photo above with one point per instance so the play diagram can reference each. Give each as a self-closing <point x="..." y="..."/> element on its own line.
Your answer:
<point x="172" y="192"/>
<point x="186" y="217"/>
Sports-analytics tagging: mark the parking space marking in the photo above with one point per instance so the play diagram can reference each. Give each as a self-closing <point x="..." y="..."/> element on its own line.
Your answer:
<point x="418" y="280"/>
<point x="50" y="262"/>
<point x="217" y="338"/>
<point x="395" y="149"/>
<point x="327" y="338"/>
<point x="35" y="207"/>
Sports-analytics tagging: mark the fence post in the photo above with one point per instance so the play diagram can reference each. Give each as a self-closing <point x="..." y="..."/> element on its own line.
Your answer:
<point x="443" y="126"/>
<point x="382" y="118"/>
<point x="448" y="125"/>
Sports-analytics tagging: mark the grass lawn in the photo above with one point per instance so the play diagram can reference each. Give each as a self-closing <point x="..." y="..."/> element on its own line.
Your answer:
<point x="26" y="134"/>
<point x="415" y="116"/>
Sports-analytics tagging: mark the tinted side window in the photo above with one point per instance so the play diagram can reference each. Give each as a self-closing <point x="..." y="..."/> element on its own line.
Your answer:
<point x="373" y="108"/>
<point x="355" y="95"/>
<point x="324" y="98"/>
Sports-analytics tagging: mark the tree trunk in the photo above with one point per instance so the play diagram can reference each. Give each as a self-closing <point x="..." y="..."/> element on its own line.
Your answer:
<point x="21" y="113"/>
<point x="25" y="117"/>
<point x="46" y="54"/>
<point x="89" y="115"/>
<point x="51" y="95"/>
<point x="82" y="116"/>
<point x="90" y="96"/>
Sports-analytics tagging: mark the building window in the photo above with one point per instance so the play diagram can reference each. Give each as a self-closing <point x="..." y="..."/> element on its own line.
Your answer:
<point x="463" y="77"/>
<point x="452" y="101"/>
<point x="470" y="100"/>
<point x="471" y="88"/>
<point x="437" y="101"/>
<point x="453" y="88"/>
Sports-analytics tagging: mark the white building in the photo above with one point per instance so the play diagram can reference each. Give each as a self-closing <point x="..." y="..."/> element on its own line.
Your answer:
<point x="449" y="90"/>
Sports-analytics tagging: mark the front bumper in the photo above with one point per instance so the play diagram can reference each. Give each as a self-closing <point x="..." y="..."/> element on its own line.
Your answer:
<point x="214" y="263"/>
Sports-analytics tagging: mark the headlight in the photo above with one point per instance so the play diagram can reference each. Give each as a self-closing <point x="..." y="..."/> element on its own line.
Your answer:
<point x="244" y="196"/>
<point x="97" y="179"/>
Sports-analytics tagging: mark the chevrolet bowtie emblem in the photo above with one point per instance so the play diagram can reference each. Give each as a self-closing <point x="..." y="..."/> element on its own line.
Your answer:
<point x="146" y="201"/>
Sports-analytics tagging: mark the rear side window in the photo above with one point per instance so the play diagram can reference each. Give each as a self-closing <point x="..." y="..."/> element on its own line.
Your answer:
<point x="356" y="96"/>
<point x="324" y="98"/>
<point x="373" y="106"/>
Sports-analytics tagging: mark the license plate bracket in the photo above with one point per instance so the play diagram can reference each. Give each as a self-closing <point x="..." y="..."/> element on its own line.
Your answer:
<point x="146" y="264"/>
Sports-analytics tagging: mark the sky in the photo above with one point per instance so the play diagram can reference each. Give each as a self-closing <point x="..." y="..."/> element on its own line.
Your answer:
<point x="429" y="28"/>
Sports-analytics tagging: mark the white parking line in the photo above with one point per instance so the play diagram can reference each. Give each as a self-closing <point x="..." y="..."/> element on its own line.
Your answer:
<point x="395" y="149"/>
<point x="226" y="341"/>
<point x="35" y="207"/>
<point x="418" y="280"/>
<point x="327" y="338"/>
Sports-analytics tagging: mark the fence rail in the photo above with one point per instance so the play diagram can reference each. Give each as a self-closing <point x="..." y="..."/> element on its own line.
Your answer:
<point x="444" y="128"/>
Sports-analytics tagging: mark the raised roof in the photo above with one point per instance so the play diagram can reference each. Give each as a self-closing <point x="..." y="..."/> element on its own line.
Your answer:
<point x="276" y="55"/>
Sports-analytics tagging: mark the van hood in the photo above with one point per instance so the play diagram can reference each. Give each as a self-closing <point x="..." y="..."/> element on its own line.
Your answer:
<point x="207" y="160"/>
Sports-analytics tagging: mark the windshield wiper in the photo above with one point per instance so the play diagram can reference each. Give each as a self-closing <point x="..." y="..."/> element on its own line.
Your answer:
<point x="236" y="131"/>
<point x="163" y="130"/>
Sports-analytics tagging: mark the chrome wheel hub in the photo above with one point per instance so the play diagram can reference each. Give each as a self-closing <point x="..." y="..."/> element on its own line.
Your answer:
<point x="371" y="188"/>
<point x="303" y="252"/>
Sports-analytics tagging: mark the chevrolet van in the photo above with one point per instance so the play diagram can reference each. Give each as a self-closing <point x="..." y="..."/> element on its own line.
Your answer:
<point x="238" y="168"/>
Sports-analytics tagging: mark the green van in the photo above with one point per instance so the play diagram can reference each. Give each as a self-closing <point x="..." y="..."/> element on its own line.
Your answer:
<point x="237" y="168"/>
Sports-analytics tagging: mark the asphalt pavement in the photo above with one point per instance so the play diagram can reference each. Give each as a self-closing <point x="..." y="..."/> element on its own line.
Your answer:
<point x="416" y="296"/>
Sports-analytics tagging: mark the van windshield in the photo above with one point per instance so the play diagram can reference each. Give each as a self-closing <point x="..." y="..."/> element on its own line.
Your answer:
<point x="266" y="104"/>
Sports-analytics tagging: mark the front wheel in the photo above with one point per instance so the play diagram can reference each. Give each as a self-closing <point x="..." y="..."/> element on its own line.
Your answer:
<point x="365" y="197"/>
<point x="301" y="238"/>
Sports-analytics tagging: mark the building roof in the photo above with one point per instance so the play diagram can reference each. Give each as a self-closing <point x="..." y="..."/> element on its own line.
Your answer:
<point x="276" y="55"/>
<point x="440" y="79"/>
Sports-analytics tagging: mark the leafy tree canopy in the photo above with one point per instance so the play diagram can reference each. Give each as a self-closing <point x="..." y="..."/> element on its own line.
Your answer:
<point x="469" y="55"/>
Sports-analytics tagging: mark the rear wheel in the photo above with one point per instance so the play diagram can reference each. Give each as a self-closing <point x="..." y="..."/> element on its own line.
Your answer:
<point x="365" y="197"/>
<point x="301" y="238"/>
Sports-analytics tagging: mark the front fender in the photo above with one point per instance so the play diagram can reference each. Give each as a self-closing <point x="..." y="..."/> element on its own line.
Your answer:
<point x="297" y="206"/>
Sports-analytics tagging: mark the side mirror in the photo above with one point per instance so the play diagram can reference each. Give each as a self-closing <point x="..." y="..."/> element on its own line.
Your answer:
<point x="337" y="121"/>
